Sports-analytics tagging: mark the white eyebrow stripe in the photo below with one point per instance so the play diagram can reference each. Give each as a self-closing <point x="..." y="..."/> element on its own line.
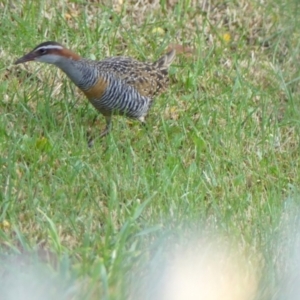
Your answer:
<point x="49" y="47"/>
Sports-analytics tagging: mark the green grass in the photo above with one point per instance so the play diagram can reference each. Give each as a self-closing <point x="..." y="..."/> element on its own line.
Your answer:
<point x="218" y="168"/>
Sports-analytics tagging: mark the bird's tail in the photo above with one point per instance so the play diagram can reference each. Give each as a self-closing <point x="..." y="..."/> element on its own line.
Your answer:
<point x="165" y="61"/>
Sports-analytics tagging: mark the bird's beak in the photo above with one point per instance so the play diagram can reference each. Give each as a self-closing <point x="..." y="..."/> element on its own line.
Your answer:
<point x="27" y="57"/>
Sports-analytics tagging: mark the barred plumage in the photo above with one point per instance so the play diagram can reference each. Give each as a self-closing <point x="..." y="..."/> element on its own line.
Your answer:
<point x="115" y="85"/>
<point x="122" y="99"/>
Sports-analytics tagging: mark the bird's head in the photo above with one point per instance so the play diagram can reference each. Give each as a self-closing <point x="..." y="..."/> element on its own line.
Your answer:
<point x="48" y="52"/>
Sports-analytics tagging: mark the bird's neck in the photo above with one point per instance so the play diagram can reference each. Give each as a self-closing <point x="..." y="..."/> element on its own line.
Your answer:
<point x="79" y="70"/>
<point x="74" y="69"/>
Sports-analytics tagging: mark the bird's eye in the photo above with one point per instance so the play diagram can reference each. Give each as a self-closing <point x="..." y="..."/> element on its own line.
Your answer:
<point x="42" y="51"/>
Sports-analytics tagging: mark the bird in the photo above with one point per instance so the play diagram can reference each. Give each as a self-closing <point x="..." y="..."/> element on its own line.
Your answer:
<point x="116" y="85"/>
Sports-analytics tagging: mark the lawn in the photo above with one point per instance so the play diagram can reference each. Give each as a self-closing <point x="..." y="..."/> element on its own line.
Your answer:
<point x="201" y="204"/>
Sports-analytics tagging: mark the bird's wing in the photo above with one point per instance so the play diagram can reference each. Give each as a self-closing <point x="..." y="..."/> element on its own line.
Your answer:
<point x="148" y="79"/>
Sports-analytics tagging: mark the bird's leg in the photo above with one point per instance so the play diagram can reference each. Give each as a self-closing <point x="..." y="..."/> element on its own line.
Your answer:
<point x="142" y="120"/>
<point x="144" y="124"/>
<point x="107" y="128"/>
<point x="103" y="133"/>
<point x="95" y="119"/>
<point x="88" y="133"/>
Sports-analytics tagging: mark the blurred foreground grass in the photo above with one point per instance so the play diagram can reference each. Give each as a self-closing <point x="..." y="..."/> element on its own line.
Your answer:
<point x="219" y="169"/>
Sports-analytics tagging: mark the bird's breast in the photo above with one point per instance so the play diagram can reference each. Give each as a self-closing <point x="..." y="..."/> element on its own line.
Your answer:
<point x="97" y="90"/>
